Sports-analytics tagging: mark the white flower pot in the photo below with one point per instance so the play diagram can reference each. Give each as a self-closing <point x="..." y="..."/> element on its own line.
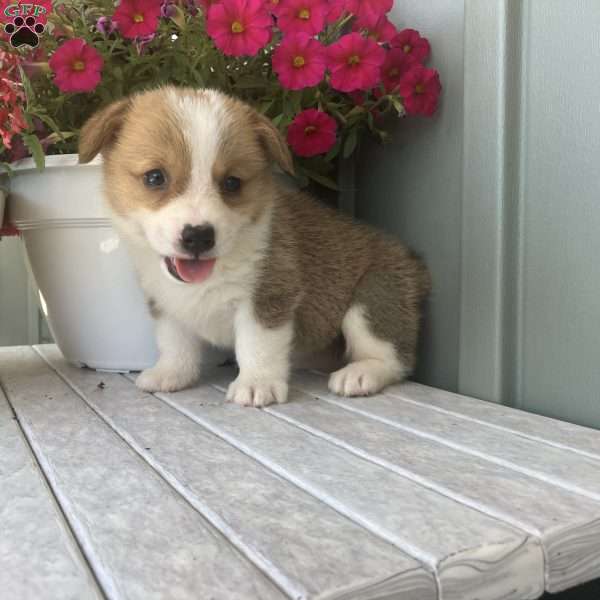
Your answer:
<point x="95" y="308"/>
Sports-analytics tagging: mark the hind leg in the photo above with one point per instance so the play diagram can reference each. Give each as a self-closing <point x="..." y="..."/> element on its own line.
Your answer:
<point x="380" y="330"/>
<point x="374" y="362"/>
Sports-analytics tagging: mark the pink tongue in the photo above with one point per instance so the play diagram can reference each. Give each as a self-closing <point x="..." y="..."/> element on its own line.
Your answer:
<point x="194" y="271"/>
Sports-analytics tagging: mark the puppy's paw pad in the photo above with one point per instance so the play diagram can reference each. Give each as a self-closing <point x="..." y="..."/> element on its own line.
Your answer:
<point x="257" y="393"/>
<point x="356" y="380"/>
<point x="160" y="379"/>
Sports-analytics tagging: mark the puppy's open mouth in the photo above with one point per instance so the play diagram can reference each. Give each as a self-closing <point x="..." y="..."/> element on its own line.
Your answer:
<point x="190" y="270"/>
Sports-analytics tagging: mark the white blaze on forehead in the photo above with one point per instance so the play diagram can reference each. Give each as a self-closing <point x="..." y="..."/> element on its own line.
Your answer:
<point x="203" y="119"/>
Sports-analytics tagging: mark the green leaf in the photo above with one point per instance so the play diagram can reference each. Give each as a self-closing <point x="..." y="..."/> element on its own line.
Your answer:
<point x="334" y="151"/>
<point x="42" y="116"/>
<point x="6" y="166"/>
<point x="322" y="180"/>
<point x="29" y="94"/>
<point x="351" y="143"/>
<point x="34" y="146"/>
<point x="277" y="120"/>
<point x="397" y="103"/>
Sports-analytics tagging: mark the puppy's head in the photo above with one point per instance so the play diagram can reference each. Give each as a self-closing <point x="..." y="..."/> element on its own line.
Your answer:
<point x="187" y="172"/>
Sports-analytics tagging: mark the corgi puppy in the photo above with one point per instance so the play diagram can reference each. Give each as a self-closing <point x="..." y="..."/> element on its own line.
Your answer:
<point x="227" y="255"/>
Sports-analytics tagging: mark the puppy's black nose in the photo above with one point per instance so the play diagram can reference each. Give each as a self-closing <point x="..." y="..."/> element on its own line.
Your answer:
<point x="198" y="239"/>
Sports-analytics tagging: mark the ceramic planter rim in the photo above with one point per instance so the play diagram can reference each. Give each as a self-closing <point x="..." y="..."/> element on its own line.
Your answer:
<point x="52" y="161"/>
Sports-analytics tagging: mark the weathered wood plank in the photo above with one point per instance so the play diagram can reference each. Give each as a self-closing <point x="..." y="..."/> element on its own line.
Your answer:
<point x="474" y="556"/>
<point x="572" y="471"/>
<point x="142" y="539"/>
<point x="550" y="431"/>
<point x="304" y="544"/>
<point x="567" y="523"/>
<point x="38" y="556"/>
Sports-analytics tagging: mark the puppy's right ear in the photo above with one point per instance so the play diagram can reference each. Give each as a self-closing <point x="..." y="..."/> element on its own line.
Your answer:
<point x="101" y="130"/>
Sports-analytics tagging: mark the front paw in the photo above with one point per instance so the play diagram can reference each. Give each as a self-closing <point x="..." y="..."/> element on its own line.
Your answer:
<point x="161" y="378"/>
<point x="256" y="392"/>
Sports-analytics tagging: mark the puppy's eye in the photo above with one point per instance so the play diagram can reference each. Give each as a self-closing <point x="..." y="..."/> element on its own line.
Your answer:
<point x="232" y="184"/>
<point x="155" y="178"/>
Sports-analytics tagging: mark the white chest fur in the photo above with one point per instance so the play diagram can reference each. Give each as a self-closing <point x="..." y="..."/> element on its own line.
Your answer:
<point x="207" y="309"/>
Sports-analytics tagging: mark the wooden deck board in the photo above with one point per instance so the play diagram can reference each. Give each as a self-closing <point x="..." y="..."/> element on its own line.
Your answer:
<point x="567" y="523"/>
<point x="550" y="431"/>
<point x="142" y="539"/>
<point x="563" y="468"/>
<point x="403" y="496"/>
<point x="303" y="544"/>
<point x="38" y="556"/>
<point x="444" y="534"/>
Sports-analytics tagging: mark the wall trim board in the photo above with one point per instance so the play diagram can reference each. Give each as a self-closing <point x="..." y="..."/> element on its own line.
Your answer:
<point x="491" y="252"/>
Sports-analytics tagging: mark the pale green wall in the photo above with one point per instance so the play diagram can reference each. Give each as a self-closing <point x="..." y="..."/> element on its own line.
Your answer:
<point x="501" y="194"/>
<point x="14" y="324"/>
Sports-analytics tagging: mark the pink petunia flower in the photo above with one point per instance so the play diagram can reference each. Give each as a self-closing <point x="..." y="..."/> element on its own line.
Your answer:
<point x="370" y="11"/>
<point x="76" y="66"/>
<point x="382" y="31"/>
<point x="300" y="61"/>
<point x="239" y="27"/>
<point x="411" y="42"/>
<point x="312" y="132"/>
<point x="302" y="16"/>
<point x="340" y="8"/>
<point x="137" y="18"/>
<point x="355" y="63"/>
<point x="420" y="89"/>
<point x="397" y="64"/>
<point x="273" y="6"/>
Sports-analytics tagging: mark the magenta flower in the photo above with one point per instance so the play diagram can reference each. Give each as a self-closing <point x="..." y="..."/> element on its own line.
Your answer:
<point x="76" y="66"/>
<point x="382" y="30"/>
<point x="312" y="132"/>
<point x="397" y="64"/>
<point x="300" y="61"/>
<point x="370" y="11"/>
<point x="302" y="16"/>
<point x="355" y="63"/>
<point x="340" y="8"/>
<point x="273" y="5"/>
<point x="239" y="27"/>
<point x="411" y="42"/>
<point x="137" y="18"/>
<point x="420" y="90"/>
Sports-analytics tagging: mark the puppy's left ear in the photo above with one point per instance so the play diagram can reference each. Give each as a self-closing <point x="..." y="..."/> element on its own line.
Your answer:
<point x="101" y="130"/>
<point x="274" y="144"/>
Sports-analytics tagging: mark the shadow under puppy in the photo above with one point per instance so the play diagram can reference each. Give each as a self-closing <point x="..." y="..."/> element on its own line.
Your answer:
<point x="227" y="255"/>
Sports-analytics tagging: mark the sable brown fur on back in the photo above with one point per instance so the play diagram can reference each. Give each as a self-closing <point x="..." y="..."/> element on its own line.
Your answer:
<point x="320" y="263"/>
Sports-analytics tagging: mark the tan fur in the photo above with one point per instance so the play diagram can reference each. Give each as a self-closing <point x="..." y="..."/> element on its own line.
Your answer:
<point x="102" y="130"/>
